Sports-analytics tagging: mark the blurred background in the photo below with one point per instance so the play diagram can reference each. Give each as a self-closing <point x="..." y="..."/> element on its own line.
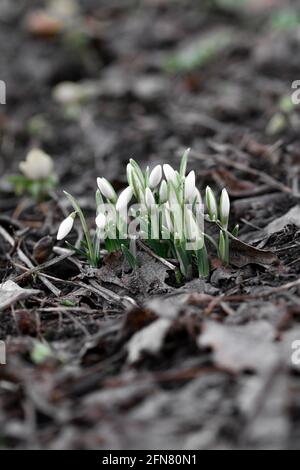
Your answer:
<point x="96" y="82"/>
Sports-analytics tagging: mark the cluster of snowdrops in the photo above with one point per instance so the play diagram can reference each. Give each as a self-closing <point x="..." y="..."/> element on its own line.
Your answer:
<point x="161" y="209"/>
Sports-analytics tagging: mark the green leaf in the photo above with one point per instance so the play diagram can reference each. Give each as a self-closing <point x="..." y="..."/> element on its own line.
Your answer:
<point x="86" y="232"/>
<point x="40" y="353"/>
<point x="132" y="260"/>
<point x="138" y="171"/>
<point x="99" y="199"/>
<point x="235" y="231"/>
<point x="203" y="262"/>
<point x="183" y="163"/>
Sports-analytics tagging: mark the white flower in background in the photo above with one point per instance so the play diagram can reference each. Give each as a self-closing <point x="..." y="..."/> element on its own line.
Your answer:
<point x="101" y="221"/>
<point x="106" y="189"/>
<point x="170" y="173"/>
<point x="66" y="226"/>
<point x="37" y="166"/>
<point x="211" y="204"/>
<point x="149" y="198"/>
<point x="163" y="192"/>
<point x="224" y="208"/>
<point x="190" y="186"/>
<point x="124" y="198"/>
<point x="155" y="176"/>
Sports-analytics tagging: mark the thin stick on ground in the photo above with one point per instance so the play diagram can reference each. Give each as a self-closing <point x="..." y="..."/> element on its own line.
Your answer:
<point x="28" y="263"/>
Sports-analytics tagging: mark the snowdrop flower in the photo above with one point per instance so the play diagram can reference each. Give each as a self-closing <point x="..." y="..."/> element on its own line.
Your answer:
<point x="101" y="221"/>
<point x="129" y="171"/>
<point x="66" y="226"/>
<point x="149" y="198"/>
<point x="163" y="192"/>
<point x="224" y="208"/>
<point x="167" y="221"/>
<point x="37" y="166"/>
<point x="211" y="204"/>
<point x="106" y="189"/>
<point x="134" y="181"/>
<point x="192" y="230"/>
<point x="190" y="186"/>
<point x="170" y="173"/>
<point x="197" y="197"/>
<point x="155" y="176"/>
<point x="172" y="199"/>
<point x="124" y="198"/>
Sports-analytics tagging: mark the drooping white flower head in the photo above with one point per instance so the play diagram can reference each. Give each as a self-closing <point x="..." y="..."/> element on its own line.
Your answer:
<point x="170" y="173"/>
<point x="155" y="176"/>
<point x="190" y="186"/>
<point x="149" y="198"/>
<point x="66" y="226"/>
<point x="163" y="192"/>
<point x="106" y="189"/>
<point x="124" y="198"/>
<point x="37" y="166"/>
<point x="211" y="204"/>
<point x="101" y="221"/>
<point x="224" y="208"/>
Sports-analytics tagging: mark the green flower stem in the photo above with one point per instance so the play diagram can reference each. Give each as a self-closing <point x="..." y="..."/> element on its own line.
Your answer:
<point x="203" y="262"/>
<point x="84" y="227"/>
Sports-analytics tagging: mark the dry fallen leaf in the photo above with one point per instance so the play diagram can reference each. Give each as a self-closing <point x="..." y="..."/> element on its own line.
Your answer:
<point x="292" y="217"/>
<point x="149" y="339"/>
<point x="239" y="348"/>
<point x="242" y="254"/>
<point x="10" y="293"/>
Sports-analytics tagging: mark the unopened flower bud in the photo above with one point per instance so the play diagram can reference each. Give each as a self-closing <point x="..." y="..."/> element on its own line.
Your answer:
<point x="66" y="226"/>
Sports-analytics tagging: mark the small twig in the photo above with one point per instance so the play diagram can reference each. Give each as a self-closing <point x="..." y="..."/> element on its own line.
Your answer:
<point x="151" y="253"/>
<point x="259" y="295"/>
<point x="48" y="276"/>
<point x="28" y="263"/>
<point x="245" y="168"/>
<point x="45" y="265"/>
<point x="108" y="295"/>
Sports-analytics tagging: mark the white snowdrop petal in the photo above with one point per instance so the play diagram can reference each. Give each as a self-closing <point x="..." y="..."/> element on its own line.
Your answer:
<point x="129" y="170"/>
<point x="106" y="189"/>
<point x="170" y="173"/>
<point x="155" y="176"/>
<point x="189" y="187"/>
<point x="224" y="207"/>
<point x="101" y="221"/>
<point x="149" y="198"/>
<point x="211" y="204"/>
<point x="225" y="204"/>
<point x="65" y="227"/>
<point x="163" y="192"/>
<point x="197" y="196"/>
<point x="124" y="198"/>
